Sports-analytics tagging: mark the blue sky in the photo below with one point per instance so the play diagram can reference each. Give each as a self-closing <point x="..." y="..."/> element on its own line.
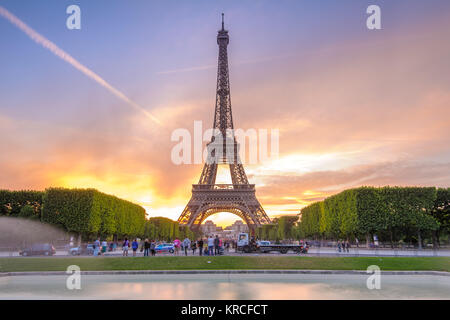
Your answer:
<point x="123" y="41"/>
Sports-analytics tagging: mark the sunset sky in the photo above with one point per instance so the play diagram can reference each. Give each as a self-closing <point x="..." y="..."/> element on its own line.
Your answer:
<point x="353" y="106"/>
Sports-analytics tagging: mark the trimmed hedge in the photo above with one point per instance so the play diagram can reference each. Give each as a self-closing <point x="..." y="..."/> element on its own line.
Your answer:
<point x="369" y="210"/>
<point x="281" y="228"/>
<point x="165" y="229"/>
<point x="88" y="211"/>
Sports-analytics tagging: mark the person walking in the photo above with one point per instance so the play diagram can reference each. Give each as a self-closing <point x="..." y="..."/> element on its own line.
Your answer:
<point x="186" y="245"/>
<point x="216" y="245"/>
<point x="104" y="246"/>
<point x="96" y="247"/>
<point x="152" y="247"/>
<point x="211" y="245"/>
<point x="347" y="246"/>
<point x="177" y="244"/>
<point x="146" y="247"/>
<point x="134" y="246"/>
<point x="193" y="247"/>
<point x="125" y="246"/>
<point x="200" y="246"/>
<point x="339" y="246"/>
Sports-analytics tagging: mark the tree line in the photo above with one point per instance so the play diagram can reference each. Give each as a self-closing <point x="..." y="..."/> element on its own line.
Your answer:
<point x="281" y="228"/>
<point x="165" y="229"/>
<point x="392" y="213"/>
<point x="89" y="213"/>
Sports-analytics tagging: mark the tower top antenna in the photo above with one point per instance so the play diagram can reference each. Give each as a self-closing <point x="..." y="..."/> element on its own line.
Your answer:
<point x="223" y="27"/>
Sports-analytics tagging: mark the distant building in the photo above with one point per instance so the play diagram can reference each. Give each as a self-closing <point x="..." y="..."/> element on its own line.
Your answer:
<point x="209" y="228"/>
<point x="231" y="232"/>
<point x="239" y="226"/>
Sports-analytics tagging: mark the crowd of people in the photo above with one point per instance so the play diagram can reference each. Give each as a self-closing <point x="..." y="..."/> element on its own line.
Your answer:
<point x="343" y="246"/>
<point x="146" y="246"/>
<point x="210" y="246"/>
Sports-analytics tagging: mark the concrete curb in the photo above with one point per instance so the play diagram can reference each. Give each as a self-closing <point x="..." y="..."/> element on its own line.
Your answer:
<point x="178" y="272"/>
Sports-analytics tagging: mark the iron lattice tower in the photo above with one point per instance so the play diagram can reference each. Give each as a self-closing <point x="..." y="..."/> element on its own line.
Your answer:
<point x="208" y="197"/>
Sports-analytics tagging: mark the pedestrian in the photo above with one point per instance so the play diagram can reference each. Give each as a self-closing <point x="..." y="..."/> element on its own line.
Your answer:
<point x="186" y="245"/>
<point x="134" y="246"/>
<point x="339" y="246"/>
<point x="216" y="245"/>
<point x="152" y="247"/>
<point x="96" y="247"/>
<point x="193" y="247"/>
<point x="357" y="242"/>
<point x="125" y="246"/>
<point x="210" y="245"/>
<point x="200" y="246"/>
<point x="227" y="246"/>
<point x="177" y="244"/>
<point x="104" y="246"/>
<point x="347" y="246"/>
<point x="146" y="247"/>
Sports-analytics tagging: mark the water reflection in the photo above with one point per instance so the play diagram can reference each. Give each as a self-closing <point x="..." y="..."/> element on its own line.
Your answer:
<point x="223" y="286"/>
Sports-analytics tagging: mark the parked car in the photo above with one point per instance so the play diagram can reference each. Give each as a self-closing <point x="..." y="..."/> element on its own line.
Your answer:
<point x="40" y="249"/>
<point x="165" y="247"/>
<point x="86" y="249"/>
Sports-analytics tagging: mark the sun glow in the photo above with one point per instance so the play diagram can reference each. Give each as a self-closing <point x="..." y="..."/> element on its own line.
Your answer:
<point x="224" y="219"/>
<point x="138" y="192"/>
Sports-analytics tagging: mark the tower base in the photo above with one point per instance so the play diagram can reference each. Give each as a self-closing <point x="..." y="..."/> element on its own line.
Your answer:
<point x="239" y="199"/>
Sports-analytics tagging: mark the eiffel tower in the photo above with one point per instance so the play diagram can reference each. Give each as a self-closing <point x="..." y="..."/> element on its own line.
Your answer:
<point x="208" y="197"/>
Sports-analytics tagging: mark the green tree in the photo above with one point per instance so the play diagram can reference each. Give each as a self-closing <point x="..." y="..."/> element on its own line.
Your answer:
<point x="89" y="212"/>
<point x="27" y="211"/>
<point x="441" y="212"/>
<point x="11" y="202"/>
<point x="286" y="226"/>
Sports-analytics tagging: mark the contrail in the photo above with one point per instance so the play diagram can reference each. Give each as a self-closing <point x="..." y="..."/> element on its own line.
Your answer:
<point x="68" y="58"/>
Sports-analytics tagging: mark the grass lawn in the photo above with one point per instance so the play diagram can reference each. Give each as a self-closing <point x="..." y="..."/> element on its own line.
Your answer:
<point x="225" y="263"/>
